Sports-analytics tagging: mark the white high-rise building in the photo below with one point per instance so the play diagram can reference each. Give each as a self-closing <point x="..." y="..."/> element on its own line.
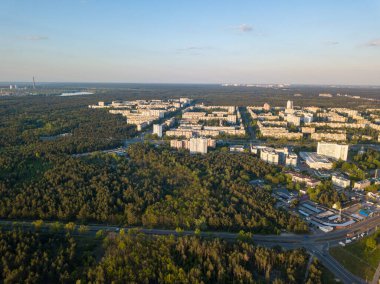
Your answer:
<point x="157" y="129"/>
<point x="270" y="156"/>
<point x="289" y="105"/>
<point x="333" y="150"/>
<point x="198" y="145"/>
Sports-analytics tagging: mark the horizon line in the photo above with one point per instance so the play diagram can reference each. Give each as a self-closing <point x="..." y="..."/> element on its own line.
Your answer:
<point x="231" y="84"/>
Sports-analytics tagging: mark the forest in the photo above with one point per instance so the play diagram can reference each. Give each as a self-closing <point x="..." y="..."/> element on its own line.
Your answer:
<point x="36" y="257"/>
<point x="29" y="257"/>
<point x="153" y="187"/>
<point x="150" y="186"/>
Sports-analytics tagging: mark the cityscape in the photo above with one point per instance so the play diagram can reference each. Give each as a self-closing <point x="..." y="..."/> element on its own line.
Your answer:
<point x="190" y="142"/>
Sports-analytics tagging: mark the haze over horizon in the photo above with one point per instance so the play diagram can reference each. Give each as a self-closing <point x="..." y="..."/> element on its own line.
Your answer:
<point x="297" y="42"/>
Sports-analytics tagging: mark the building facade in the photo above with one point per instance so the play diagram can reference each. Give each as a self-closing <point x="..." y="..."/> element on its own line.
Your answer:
<point x="333" y="150"/>
<point x="157" y="129"/>
<point x="340" y="180"/>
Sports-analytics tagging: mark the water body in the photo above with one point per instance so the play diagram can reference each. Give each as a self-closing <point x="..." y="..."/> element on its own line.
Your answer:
<point x="76" y="94"/>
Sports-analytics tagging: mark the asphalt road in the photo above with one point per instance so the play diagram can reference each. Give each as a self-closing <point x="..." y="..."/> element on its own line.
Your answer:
<point x="376" y="277"/>
<point x="317" y="244"/>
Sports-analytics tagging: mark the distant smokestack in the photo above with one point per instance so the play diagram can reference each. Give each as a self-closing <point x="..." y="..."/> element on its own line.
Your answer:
<point x="34" y="83"/>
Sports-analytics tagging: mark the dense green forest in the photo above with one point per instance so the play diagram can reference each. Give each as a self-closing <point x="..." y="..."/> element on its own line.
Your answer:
<point x="28" y="257"/>
<point x="35" y="257"/>
<point x="140" y="259"/>
<point x="153" y="187"/>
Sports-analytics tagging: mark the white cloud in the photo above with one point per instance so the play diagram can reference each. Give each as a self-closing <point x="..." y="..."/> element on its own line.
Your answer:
<point x="190" y="48"/>
<point x="245" y="28"/>
<point x="331" y="42"/>
<point x="194" y="50"/>
<point x="374" y="43"/>
<point x="35" y="38"/>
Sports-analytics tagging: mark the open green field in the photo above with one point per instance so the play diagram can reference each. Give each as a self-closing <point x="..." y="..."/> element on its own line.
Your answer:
<point x="358" y="258"/>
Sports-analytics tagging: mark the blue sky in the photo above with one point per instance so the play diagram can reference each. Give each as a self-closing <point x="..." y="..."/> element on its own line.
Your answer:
<point x="198" y="41"/>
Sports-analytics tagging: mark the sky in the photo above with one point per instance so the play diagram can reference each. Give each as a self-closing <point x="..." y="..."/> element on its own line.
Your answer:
<point x="197" y="41"/>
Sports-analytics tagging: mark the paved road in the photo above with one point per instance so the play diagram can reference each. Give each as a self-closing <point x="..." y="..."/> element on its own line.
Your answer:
<point x="376" y="277"/>
<point x="317" y="244"/>
<point x="336" y="268"/>
<point x="247" y="121"/>
<point x="308" y="266"/>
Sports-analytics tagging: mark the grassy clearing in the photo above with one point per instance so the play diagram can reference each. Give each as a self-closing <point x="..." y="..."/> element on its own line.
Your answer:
<point x="358" y="258"/>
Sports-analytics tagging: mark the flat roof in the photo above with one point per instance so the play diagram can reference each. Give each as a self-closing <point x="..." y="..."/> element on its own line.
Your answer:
<point x="313" y="157"/>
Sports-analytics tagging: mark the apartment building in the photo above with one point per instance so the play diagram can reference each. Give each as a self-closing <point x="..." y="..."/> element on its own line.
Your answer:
<point x="157" y="129"/>
<point x="195" y="145"/>
<point x="328" y="136"/>
<point x="333" y="150"/>
<point x="340" y="180"/>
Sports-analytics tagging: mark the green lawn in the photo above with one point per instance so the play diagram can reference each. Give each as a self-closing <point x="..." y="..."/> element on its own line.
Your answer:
<point x="358" y="259"/>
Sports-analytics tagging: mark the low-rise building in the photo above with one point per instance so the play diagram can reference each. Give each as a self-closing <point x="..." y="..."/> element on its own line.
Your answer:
<point x="361" y="185"/>
<point x="237" y="148"/>
<point x="255" y="149"/>
<point x="308" y="130"/>
<point x="300" y="178"/>
<point x="315" y="161"/>
<point x="340" y="180"/>
<point x="329" y="136"/>
<point x="293" y="119"/>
